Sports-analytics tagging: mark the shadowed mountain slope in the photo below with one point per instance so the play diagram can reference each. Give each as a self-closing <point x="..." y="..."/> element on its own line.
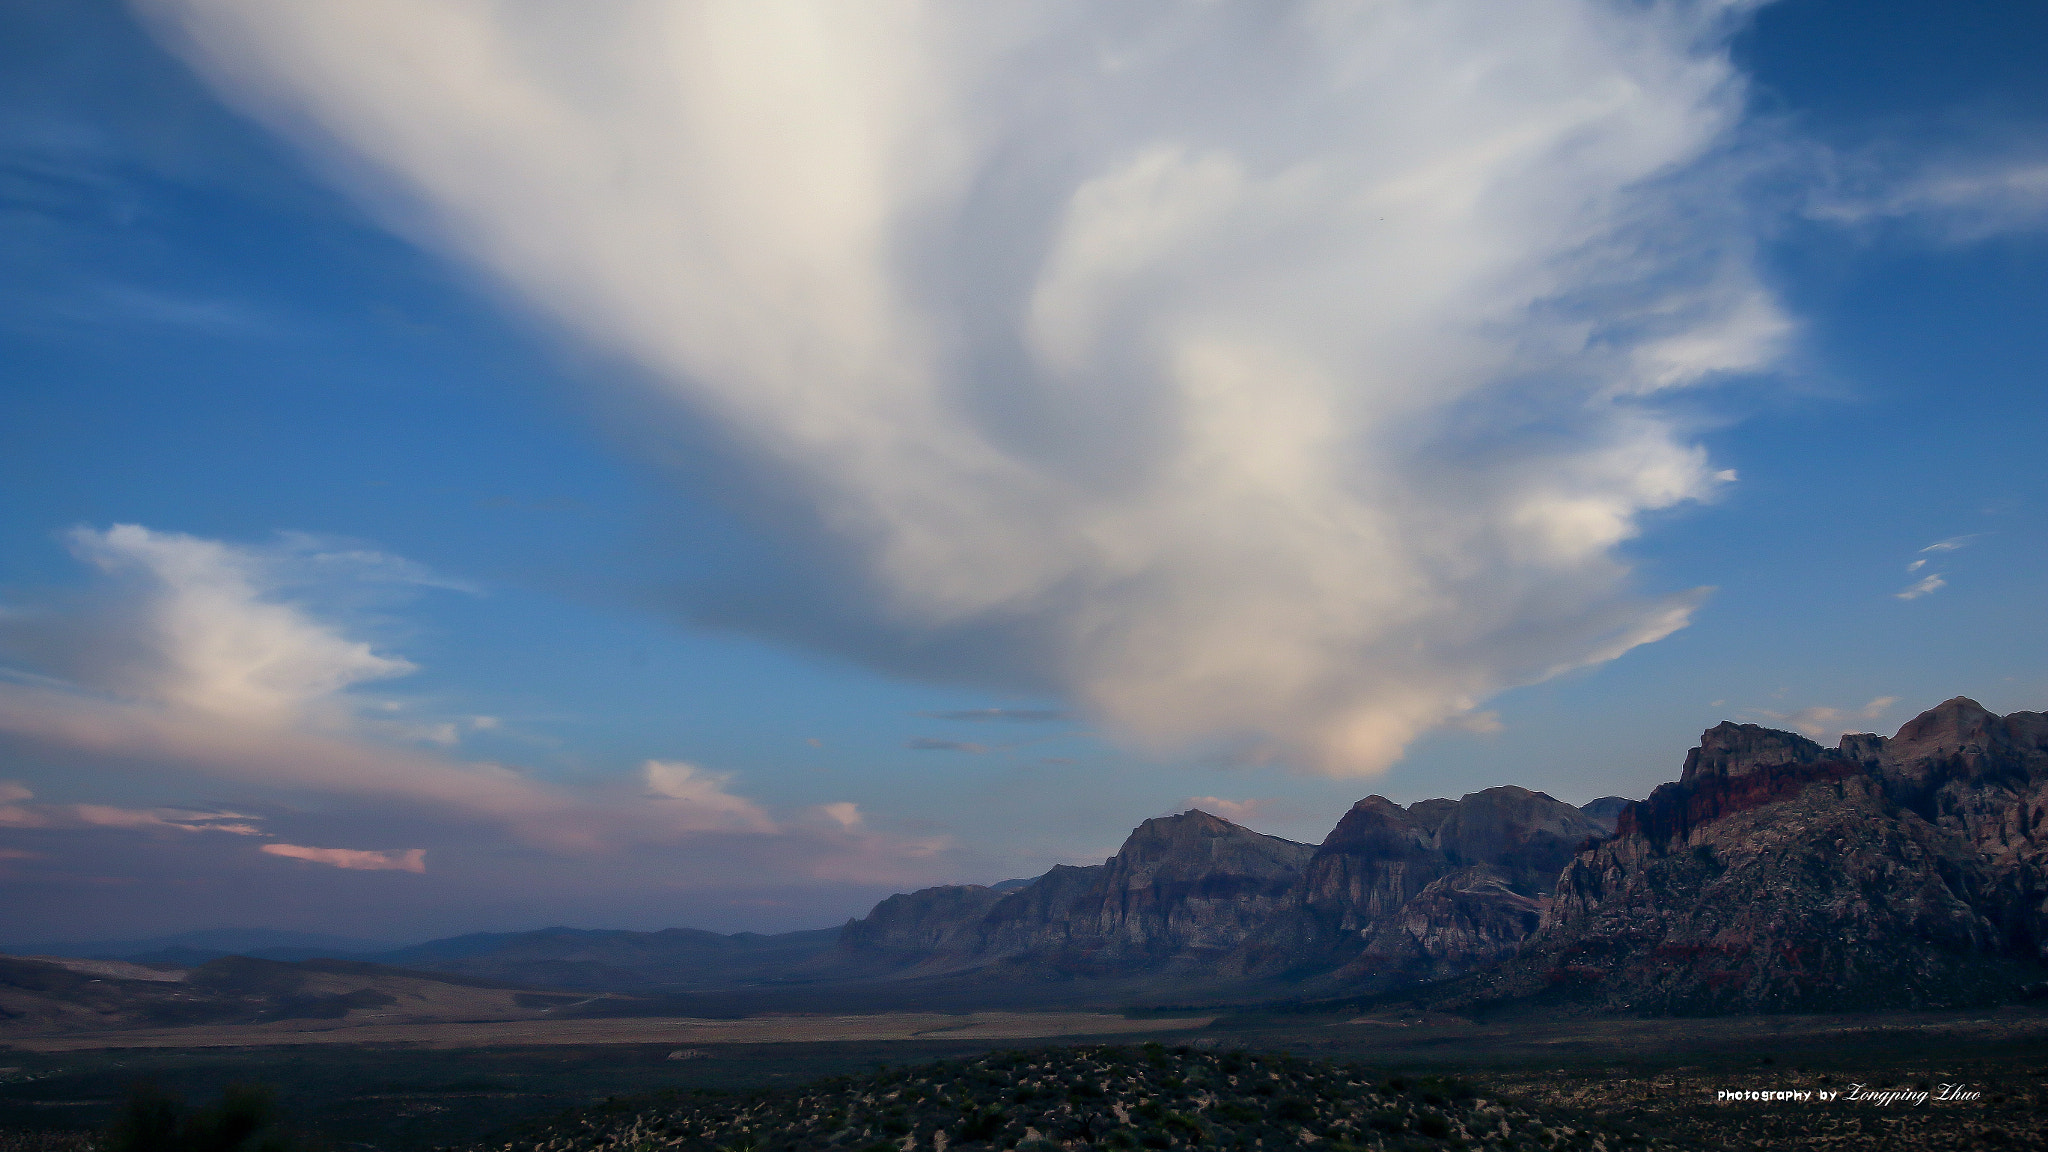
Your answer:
<point x="1780" y="875"/>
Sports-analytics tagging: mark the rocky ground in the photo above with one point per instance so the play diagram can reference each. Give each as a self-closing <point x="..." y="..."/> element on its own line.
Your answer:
<point x="1092" y="1097"/>
<point x="1882" y="1094"/>
<point x="1988" y="1105"/>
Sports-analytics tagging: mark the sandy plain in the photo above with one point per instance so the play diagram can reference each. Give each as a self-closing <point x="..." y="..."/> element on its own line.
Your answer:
<point x="632" y="1030"/>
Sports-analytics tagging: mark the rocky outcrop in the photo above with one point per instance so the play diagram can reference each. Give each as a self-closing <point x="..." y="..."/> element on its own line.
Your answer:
<point x="1463" y="920"/>
<point x="1779" y="875"/>
<point x="1182" y="889"/>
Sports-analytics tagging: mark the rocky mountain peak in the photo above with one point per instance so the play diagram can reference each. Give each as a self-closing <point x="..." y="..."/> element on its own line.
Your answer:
<point x="1527" y="835"/>
<point x="1949" y="727"/>
<point x="1605" y="810"/>
<point x="1195" y="843"/>
<point x="1777" y="875"/>
<point x="1729" y="750"/>
<point x="1380" y="828"/>
<point x="1959" y="740"/>
<point x="1430" y="813"/>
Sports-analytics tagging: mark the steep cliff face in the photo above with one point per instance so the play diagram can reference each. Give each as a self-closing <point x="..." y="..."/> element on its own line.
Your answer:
<point x="1779" y="875"/>
<point x="916" y="924"/>
<point x="1465" y="919"/>
<point x="1431" y="890"/>
<point x="1526" y="836"/>
<point x="1181" y="889"/>
<point x="1984" y="779"/>
<point x="1391" y="894"/>
<point x="1193" y="884"/>
<point x="1377" y="859"/>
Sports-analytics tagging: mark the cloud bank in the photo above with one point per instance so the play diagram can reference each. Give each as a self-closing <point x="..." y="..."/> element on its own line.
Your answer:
<point x="199" y="660"/>
<point x="1278" y="374"/>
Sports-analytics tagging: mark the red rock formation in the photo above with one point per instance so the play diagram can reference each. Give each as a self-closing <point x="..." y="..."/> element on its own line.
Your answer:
<point x="1777" y="875"/>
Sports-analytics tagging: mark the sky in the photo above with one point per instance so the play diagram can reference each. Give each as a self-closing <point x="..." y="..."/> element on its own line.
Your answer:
<point x="488" y="465"/>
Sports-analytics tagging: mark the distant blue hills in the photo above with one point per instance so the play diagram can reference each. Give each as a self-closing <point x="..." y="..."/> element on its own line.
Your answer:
<point x="211" y="944"/>
<point x="675" y="959"/>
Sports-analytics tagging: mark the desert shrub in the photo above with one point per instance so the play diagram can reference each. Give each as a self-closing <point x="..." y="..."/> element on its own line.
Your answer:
<point x="1432" y="1125"/>
<point x="980" y="1125"/>
<point x="244" y="1119"/>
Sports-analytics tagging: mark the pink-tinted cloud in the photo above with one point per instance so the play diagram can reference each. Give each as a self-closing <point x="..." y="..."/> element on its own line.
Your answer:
<point x="405" y="860"/>
<point x="1235" y="811"/>
<point x="16" y="813"/>
<point x="192" y="662"/>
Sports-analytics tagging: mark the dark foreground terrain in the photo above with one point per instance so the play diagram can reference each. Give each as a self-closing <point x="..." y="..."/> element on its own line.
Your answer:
<point x="1587" y="1082"/>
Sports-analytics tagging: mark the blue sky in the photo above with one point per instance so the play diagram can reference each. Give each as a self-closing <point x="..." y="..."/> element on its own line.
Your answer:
<point x="589" y="493"/>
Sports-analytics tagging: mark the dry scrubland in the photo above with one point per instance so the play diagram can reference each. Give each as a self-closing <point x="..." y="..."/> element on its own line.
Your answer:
<point x="1385" y="1082"/>
<point x="1160" y="1098"/>
<point x="1095" y="1097"/>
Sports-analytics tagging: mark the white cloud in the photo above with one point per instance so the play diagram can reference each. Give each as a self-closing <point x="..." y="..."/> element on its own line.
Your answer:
<point x="1952" y="543"/>
<point x="1280" y="373"/>
<point x="1959" y="200"/>
<point x="397" y="860"/>
<point x="1823" y="723"/>
<point x="1930" y="583"/>
<point x="705" y="805"/>
<point x="204" y="629"/>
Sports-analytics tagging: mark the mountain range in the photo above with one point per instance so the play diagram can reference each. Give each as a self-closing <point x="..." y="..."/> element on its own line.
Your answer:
<point x="1774" y="875"/>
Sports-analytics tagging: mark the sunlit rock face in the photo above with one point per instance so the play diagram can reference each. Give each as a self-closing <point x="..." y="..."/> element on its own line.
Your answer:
<point x="1779" y="875"/>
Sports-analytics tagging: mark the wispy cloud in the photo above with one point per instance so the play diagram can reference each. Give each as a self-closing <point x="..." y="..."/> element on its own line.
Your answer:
<point x="17" y="812"/>
<point x="704" y="804"/>
<point x="1004" y="715"/>
<point x="397" y="860"/>
<point x="932" y="744"/>
<point x="1926" y="585"/>
<point x="1955" y="199"/>
<point x="1934" y="581"/>
<point x="1823" y="723"/>
<point x="1952" y="543"/>
<point x="1242" y="373"/>
<point x="1235" y="811"/>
